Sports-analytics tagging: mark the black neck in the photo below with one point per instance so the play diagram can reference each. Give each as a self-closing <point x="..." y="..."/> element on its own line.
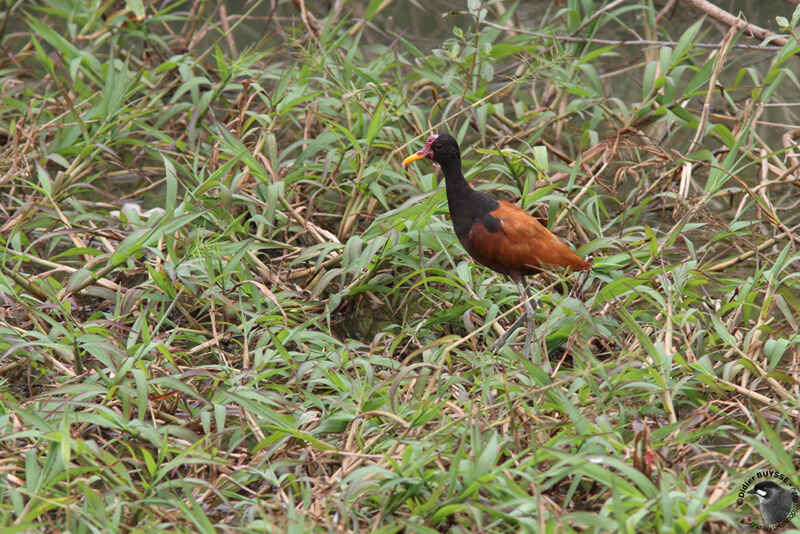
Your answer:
<point x="466" y="205"/>
<point x="458" y="190"/>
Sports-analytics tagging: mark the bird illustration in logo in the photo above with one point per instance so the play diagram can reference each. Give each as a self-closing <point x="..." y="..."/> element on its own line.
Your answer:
<point x="774" y="501"/>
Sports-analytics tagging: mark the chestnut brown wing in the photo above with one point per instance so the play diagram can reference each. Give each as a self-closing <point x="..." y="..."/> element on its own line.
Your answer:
<point x="509" y="240"/>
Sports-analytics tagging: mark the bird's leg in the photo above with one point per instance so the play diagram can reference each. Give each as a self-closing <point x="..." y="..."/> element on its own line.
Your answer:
<point x="501" y="341"/>
<point x="530" y="312"/>
<point x="530" y="315"/>
<point x="580" y="285"/>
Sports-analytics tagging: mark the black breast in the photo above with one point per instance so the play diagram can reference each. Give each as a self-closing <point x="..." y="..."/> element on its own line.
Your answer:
<point x="465" y="211"/>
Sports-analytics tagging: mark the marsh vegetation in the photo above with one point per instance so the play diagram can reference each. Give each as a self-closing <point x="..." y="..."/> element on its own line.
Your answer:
<point x="286" y="335"/>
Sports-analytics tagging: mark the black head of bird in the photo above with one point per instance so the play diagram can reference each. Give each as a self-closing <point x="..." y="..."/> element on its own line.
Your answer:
<point x="441" y="148"/>
<point x="774" y="501"/>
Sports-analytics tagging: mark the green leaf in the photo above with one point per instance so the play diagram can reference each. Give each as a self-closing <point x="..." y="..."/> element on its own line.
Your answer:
<point x="724" y="134"/>
<point x="540" y="156"/>
<point x="375" y="123"/>
<point x="171" y="193"/>
<point x="45" y="182"/>
<point x="372" y="9"/>
<point x="648" y="79"/>
<point x="685" y="41"/>
<point x="137" y="6"/>
<point x="700" y="79"/>
<point x="487" y="71"/>
<point x="142" y="237"/>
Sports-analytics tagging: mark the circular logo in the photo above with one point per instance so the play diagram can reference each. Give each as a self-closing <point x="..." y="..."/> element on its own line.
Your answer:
<point x="778" y="501"/>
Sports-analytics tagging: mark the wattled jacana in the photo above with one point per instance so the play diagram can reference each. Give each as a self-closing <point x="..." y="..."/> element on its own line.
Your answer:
<point x="496" y="233"/>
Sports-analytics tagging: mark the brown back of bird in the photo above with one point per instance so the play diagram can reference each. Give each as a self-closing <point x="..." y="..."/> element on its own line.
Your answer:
<point x="522" y="246"/>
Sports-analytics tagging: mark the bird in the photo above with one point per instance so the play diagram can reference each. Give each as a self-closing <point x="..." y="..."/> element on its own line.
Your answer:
<point x="495" y="233"/>
<point x="774" y="501"/>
